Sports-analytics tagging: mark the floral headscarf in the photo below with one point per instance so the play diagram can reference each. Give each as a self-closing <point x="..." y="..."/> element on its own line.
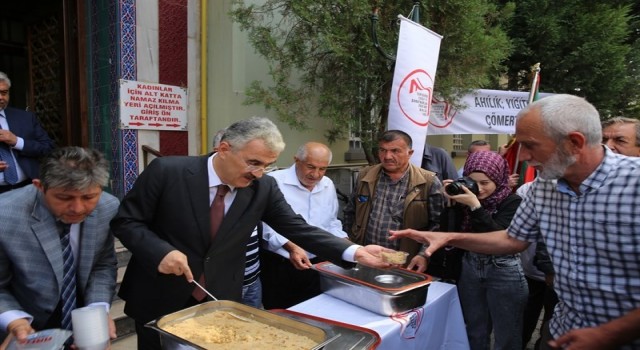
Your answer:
<point x="497" y="170"/>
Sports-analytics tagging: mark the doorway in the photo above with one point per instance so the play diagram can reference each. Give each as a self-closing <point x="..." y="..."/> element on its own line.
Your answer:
<point x="40" y="51"/>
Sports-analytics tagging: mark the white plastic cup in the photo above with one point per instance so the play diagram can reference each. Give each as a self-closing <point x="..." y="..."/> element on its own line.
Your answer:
<point x="90" y="328"/>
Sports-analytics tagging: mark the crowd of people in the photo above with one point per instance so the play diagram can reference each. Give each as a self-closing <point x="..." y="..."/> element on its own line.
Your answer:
<point x="568" y="242"/>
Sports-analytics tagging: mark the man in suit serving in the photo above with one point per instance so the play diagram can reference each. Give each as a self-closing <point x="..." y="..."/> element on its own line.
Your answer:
<point x="22" y="142"/>
<point x="56" y="251"/>
<point x="164" y="222"/>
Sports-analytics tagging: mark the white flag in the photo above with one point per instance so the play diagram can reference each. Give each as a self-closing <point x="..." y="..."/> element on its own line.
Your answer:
<point x="413" y="78"/>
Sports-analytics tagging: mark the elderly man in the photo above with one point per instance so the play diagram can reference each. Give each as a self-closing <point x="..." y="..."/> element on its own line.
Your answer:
<point x="392" y="195"/>
<point x="22" y="142"/>
<point x="622" y="135"/>
<point x="286" y="274"/>
<point x="56" y="251"/>
<point x="189" y="218"/>
<point x="584" y="206"/>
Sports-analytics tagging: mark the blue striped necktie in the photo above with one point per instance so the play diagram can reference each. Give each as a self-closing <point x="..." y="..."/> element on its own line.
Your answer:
<point x="68" y="295"/>
<point x="10" y="173"/>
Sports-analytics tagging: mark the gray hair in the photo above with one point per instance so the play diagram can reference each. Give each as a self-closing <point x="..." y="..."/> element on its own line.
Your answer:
<point x="218" y="137"/>
<point x="303" y="151"/>
<point x="5" y="78"/>
<point x="74" y="168"/>
<point x="623" y="120"/>
<point x="242" y="132"/>
<point x="562" y="114"/>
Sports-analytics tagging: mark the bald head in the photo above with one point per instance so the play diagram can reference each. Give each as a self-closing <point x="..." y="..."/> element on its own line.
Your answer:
<point x="311" y="162"/>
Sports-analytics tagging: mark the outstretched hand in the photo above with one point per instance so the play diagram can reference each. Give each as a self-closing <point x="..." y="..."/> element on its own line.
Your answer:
<point x="371" y="255"/>
<point x="434" y="240"/>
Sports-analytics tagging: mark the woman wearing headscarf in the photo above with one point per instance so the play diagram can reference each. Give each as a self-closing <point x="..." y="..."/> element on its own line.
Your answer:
<point x="492" y="288"/>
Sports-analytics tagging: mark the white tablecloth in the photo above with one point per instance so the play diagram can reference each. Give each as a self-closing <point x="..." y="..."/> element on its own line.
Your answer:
<point x="436" y="325"/>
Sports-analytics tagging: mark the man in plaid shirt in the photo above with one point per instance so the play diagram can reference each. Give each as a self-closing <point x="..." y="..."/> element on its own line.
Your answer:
<point x="585" y="207"/>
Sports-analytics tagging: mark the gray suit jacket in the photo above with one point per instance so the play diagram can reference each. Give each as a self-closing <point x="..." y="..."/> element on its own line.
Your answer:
<point x="31" y="263"/>
<point x="168" y="208"/>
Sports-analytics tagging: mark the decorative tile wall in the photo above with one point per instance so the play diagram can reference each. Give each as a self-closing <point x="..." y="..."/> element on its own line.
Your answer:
<point x="111" y="47"/>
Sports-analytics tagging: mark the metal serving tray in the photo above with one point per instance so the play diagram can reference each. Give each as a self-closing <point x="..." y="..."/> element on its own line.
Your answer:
<point x="384" y="291"/>
<point x="171" y="341"/>
<point x="351" y="337"/>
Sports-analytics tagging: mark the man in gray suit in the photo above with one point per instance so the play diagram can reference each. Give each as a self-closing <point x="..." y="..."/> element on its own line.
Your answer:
<point x="32" y="266"/>
<point x="164" y="222"/>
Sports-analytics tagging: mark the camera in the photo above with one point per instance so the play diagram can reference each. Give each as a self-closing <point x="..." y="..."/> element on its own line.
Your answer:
<point x="455" y="187"/>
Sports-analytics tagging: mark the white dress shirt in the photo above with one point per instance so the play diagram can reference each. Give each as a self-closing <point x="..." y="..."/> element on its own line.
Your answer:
<point x="318" y="207"/>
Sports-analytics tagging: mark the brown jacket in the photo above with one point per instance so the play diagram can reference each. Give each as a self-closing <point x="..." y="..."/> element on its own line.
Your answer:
<point x="416" y="213"/>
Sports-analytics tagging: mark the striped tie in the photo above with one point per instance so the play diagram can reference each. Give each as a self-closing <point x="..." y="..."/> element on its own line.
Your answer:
<point x="10" y="173"/>
<point x="68" y="295"/>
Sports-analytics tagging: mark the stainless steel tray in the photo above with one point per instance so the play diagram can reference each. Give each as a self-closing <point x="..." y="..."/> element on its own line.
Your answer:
<point x="386" y="292"/>
<point x="351" y="337"/>
<point x="172" y="341"/>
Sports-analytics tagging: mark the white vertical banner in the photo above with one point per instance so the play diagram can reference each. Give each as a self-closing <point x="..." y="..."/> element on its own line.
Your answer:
<point x="413" y="78"/>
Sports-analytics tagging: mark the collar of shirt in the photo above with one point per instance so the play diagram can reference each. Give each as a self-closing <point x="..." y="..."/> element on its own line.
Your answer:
<point x="404" y="176"/>
<point x="3" y="120"/>
<point x="214" y="179"/>
<point x="596" y="179"/>
<point x="291" y="178"/>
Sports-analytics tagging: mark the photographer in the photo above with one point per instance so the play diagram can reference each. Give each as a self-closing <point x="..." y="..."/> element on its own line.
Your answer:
<point x="492" y="288"/>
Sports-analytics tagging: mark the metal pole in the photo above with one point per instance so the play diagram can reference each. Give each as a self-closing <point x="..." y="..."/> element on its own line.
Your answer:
<point x="374" y="36"/>
<point x="532" y="94"/>
<point x="415" y="12"/>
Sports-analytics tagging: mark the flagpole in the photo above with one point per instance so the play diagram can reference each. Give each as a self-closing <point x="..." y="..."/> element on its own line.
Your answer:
<point x="535" y="69"/>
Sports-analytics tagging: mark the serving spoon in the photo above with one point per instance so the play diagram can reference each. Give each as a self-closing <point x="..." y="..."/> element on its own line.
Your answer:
<point x="241" y="318"/>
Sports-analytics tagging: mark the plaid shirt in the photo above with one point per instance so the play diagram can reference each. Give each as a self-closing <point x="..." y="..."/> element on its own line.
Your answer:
<point x="593" y="239"/>
<point x="387" y="210"/>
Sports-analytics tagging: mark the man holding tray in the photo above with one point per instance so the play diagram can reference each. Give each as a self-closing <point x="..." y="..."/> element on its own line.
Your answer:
<point x="165" y="222"/>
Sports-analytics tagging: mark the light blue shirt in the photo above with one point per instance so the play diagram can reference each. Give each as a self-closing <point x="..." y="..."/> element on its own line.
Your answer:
<point x="19" y="146"/>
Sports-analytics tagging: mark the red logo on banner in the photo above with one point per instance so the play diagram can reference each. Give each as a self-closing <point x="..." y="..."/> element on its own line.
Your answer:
<point x="414" y="96"/>
<point x="442" y="114"/>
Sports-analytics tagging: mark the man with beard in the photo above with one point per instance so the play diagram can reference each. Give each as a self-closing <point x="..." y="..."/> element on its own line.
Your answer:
<point x="584" y="206"/>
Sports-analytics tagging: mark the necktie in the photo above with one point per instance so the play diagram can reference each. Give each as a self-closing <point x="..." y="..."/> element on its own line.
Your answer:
<point x="68" y="295"/>
<point x="216" y="214"/>
<point x="10" y="173"/>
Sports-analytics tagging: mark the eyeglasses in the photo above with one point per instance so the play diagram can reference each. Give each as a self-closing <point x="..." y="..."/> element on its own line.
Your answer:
<point x="264" y="169"/>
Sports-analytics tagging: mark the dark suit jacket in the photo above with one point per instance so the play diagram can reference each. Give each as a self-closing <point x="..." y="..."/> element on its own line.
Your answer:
<point x="436" y="159"/>
<point x="36" y="140"/>
<point x="168" y="208"/>
<point x="31" y="263"/>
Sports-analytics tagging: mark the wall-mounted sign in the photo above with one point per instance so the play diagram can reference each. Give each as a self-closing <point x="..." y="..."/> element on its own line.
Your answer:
<point x="152" y="106"/>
